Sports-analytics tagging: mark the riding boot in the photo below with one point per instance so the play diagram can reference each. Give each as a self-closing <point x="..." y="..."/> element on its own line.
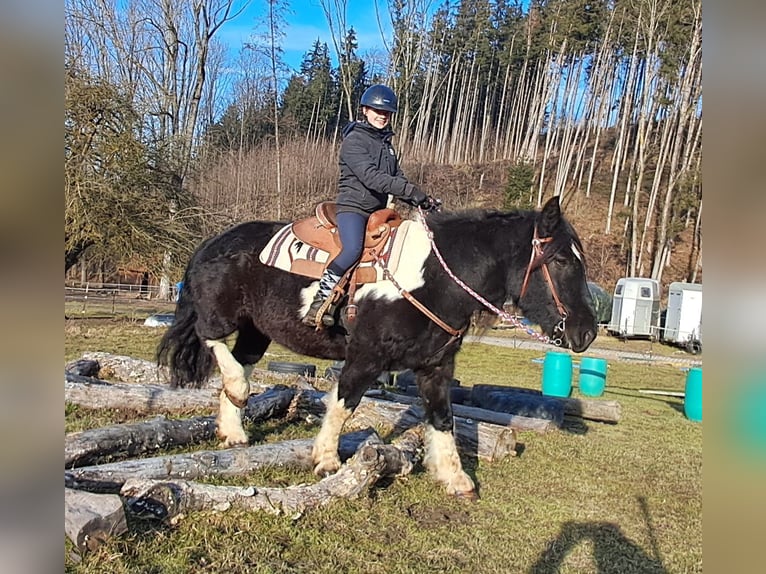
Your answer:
<point x="327" y="283"/>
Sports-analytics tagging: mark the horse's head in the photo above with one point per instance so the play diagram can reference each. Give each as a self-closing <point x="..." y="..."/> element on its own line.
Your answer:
<point x="554" y="292"/>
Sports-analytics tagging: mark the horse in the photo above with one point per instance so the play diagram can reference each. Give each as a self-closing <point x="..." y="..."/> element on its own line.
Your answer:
<point x="414" y="319"/>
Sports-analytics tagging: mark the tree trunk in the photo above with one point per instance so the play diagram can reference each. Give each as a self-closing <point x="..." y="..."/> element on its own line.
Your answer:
<point x="90" y="519"/>
<point x="294" y="454"/>
<point x="164" y="500"/>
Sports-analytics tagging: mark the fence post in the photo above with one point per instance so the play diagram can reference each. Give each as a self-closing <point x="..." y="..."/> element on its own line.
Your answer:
<point x="85" y="298"/>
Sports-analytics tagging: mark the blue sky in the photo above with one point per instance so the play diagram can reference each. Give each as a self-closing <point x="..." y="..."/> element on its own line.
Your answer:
<point x="306" y="23"/>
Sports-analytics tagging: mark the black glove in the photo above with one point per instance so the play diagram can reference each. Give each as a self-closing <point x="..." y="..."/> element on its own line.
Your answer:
<point x="419" y="199"/>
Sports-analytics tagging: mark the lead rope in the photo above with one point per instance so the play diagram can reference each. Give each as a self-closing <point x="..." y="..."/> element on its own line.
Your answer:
<point x="504" y="315"/>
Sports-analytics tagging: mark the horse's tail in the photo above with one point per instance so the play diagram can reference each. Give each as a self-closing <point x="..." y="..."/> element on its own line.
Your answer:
<point x="181" y="349"/>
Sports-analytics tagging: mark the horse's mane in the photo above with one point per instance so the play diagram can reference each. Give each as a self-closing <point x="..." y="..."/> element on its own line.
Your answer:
<point x="564" y="237"/>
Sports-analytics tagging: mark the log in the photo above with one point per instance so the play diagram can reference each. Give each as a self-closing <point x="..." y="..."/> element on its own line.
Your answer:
<point x="132" y="370"/>
<point x="591" y="409"/>
<point x="295" y="454"/>
<point x="90" y="519"/>
<point x="123" y="440"/>
<point x="119" y="441"/>
<point x="165" y="500"/>
<point x="522" y="404"/>
<point x="99" y="394"/>
<point x="516" y="422"/>
<point x="129" y="369"/>
<point x="485" y="441"/>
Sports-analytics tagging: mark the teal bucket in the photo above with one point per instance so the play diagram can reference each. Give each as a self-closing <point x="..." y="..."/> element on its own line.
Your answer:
<point x="557" y="374"/>
<point x="592" y="376"/>
<point x="693" y="395"/>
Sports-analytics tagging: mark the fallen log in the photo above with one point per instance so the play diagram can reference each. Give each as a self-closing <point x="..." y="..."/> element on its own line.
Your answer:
<point x="90" y="519"/>
<point x="591" y="409"/>
<point x="485" y="441"/>
<point x="144" y="398"/>
<point x="132" y="370"/>
<point x="164" y="500"/>
<point x="516" y="422"/>
<point x="123" y="440"/>
<point x="118" y="441"/>
<point x="99" y="394"/>
<point x="294" y="454"/>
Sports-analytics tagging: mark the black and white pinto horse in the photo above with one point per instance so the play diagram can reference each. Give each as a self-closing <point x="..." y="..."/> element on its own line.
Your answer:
<point x="226" y="290"/>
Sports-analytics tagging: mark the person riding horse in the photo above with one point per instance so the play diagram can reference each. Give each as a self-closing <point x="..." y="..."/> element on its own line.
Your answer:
<point x="369" y="175"/>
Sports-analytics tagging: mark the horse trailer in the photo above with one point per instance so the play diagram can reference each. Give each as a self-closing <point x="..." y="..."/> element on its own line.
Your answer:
<point x="683" y="322"/>
<point x="635" y="308"/>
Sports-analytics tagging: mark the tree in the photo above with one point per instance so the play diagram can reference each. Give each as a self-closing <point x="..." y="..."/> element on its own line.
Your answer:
<point x="112" y="185"/>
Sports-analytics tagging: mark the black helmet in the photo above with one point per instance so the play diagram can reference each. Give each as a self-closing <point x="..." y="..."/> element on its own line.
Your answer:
<point x="380" y="97"/>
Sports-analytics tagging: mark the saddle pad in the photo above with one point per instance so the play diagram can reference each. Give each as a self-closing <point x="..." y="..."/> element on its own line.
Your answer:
<point x="285" y="251"/>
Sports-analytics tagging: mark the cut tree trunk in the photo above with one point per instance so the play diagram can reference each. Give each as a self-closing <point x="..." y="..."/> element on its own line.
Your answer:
<point x="123" y="440"/>
<point x="98" y="394"/>
<point x="164" y="500"/>
<point x="485" y="441"/>
<point x="591" y="409"/>
<point x="90" y="519"/>
<point x="294" y="454"/>
<point x="143" y="398"/>
<point x="120" y="441"/>
<point x="516" y="422"/>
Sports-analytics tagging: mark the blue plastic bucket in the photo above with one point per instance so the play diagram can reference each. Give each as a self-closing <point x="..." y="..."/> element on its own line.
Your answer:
<point x="557" y="374"/>
<point x="693" y="395"/>
<point x="592" y="376"/>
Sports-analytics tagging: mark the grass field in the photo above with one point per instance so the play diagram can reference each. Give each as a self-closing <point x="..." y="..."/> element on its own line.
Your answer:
<point x="593" y="497"/>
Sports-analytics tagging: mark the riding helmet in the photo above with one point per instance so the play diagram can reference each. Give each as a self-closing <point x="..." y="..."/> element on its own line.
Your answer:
<point x="380" y="97"/>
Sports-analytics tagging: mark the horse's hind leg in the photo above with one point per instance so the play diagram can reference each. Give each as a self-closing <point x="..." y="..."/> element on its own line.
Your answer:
<point x="441" y="457"/>
<point x="355" y="378"/>
<point x="250" y="346"/>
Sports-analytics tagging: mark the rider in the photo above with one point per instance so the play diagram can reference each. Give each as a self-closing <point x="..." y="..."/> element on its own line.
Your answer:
<point x="369" y="173"/>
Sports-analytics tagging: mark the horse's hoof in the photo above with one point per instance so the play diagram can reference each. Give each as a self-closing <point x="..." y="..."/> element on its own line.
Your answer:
<point x="327" y="467"/>
<point x="235" y="443"/>
<point x="233" y="440"/>
<point x="469" y="495"/>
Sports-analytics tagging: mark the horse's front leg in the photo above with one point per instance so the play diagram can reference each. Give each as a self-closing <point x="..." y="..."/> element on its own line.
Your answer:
<point x="345" y="396"/>
<point x="441" y="457"/>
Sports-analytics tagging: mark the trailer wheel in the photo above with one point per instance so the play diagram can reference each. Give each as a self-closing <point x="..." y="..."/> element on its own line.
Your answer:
<point x="694" y="347"/>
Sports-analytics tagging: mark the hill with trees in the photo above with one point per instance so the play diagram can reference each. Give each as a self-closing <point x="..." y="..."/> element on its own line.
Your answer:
<point x="502" y="104"/>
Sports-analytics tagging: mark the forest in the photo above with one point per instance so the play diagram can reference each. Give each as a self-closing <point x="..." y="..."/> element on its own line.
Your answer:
<point x="502" y="104"/>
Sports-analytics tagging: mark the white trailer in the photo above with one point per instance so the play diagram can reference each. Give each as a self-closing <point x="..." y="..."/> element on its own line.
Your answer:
<point x="683" y="322"/>
<point x="635" y="308"/>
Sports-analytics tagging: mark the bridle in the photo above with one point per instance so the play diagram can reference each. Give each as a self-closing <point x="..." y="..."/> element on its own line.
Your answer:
<point x="536" y="260"/>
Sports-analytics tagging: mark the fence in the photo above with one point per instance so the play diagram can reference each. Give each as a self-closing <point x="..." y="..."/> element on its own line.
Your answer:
<point x="113" y="299"/>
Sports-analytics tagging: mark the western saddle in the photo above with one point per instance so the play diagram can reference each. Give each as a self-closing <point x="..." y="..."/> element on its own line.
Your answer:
<point x="321" y="231"/>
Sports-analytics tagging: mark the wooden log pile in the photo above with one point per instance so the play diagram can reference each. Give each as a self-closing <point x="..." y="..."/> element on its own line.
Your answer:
<point x="103" y="478"/>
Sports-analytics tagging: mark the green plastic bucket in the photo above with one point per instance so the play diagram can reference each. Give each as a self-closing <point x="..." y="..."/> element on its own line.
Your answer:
<point x="557" y="374"/>
<point x="592" y="376"/>
<point x="693" y="395"/>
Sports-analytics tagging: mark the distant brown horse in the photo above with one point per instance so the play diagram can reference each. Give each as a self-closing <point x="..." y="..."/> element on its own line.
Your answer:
<point x="227" y="290"/>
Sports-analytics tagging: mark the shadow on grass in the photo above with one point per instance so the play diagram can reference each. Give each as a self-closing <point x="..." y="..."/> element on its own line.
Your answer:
<point x="613" y="553"/>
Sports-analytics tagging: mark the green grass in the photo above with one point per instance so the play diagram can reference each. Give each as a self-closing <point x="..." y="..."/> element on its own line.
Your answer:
<point x="624" y="498"/>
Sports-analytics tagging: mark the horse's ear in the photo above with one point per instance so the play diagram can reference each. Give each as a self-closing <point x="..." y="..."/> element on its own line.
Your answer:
<point x="550" y="216"/>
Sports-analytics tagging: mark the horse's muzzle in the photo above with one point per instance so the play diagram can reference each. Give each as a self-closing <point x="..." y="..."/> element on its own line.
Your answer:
<point x="580" y="340"/>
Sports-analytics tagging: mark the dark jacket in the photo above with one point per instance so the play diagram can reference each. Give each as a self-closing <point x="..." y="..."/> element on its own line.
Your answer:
<point x="369" y="170"/>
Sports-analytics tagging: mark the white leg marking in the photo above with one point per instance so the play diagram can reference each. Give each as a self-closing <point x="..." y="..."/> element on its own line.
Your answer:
<point x="325" y="451"/>
<point x="235" y="384"/>
<point x="443" y="462"/>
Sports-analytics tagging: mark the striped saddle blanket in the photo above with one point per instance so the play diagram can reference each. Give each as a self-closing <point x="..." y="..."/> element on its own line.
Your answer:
<point x="288" y="252"/>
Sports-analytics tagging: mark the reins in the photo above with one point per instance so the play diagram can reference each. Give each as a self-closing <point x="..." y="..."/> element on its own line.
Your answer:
<point x="534" y="262"/>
